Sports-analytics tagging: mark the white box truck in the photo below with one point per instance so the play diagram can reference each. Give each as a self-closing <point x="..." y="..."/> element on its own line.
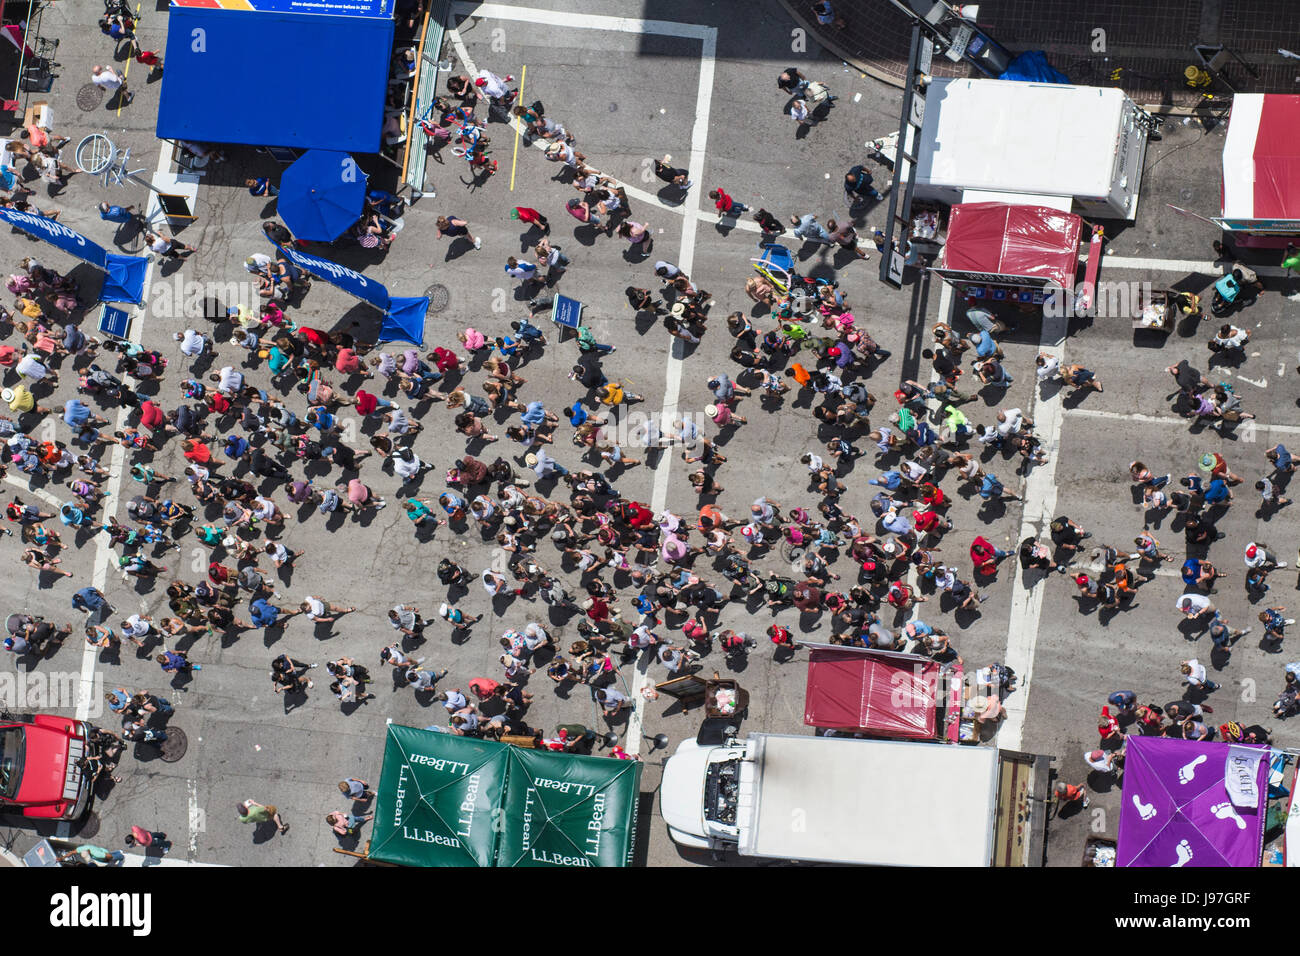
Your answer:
<point x="1024" y="142"/>
<point x="849" y="800"/>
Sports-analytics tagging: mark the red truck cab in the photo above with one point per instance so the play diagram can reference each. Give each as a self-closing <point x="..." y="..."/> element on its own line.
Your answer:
<point x="40" y="772"/>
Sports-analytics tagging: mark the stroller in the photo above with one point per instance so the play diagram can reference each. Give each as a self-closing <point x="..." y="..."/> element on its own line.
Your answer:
<point x="776" y="265"/>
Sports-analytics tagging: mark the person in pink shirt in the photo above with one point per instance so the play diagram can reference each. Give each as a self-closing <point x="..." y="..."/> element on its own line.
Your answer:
<point x="722" y="415"/>
<point x="349" y="363"/>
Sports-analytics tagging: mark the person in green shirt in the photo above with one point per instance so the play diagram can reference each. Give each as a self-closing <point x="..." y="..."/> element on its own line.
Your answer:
<point x="418" y="510"/>
<point x="250" y="811"/>
<point x="92" y="855"/>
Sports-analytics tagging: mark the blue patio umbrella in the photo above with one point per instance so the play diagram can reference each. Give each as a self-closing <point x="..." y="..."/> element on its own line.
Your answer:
<point x="321" y="195"/>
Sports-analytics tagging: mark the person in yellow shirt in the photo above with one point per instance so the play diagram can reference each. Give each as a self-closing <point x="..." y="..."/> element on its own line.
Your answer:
<point x="20" y="399"/>
<point x="614" y="394"/>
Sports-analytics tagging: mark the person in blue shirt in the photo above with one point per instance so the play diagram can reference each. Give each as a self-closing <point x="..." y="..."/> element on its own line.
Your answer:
<point x="890" y="479"/>
<point x="519" y="269"/>
<point x="535" y="415"/>
<point x="321" y="418"/>
<point x="1217" y="492"/>
<point x="507" y="346"/>
<point x="261" y="186"/>
<point x="76" y="414"/>
<point x="576" y="414"/>
<point x="527" y="331"/>
<point x="266" y="614"/>
<point x="236" y="447"/>
<point x="1281" y="458"/>
<point x="121" y="214"/>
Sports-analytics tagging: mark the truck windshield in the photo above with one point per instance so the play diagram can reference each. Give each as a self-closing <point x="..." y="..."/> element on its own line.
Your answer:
<point x="11" y="761"/>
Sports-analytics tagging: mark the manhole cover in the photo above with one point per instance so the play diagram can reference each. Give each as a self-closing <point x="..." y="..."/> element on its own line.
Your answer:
<point x="439" y="297"/>
<point x="89" y="97"/>
<point x="175" y="746"/>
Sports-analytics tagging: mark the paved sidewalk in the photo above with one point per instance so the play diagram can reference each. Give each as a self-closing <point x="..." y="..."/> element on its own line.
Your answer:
<point x="1149" y="43"/>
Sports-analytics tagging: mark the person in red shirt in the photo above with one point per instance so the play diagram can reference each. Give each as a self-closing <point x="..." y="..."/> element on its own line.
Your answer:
<point x="315" y="336"/>
<point x="153" y="418"/>
<point x="928" y="520"/>
<point x="531" y="216"/>
<point x="985" y="556"/>
<point x="196" y="451"/>
<point x="932" y="495"/>
<point x="217" y="403"/>
<point x="367" y="403"/>
<point x="726" y="206"/>
<point x="444" y="359"/>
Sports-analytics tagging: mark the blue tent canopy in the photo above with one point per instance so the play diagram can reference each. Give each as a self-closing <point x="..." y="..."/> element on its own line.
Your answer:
<point x="271" y="75"/>
<point x="124" y="279"/>
<point x="404" y="320"/>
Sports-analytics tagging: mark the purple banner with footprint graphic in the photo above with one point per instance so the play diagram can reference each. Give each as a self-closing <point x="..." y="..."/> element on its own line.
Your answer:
<point x="1190" y="803"/>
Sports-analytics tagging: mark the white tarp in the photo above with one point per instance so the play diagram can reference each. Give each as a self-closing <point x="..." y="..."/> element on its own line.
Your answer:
<point x="1241" y="776"/>
<point x="1041" y="138"/>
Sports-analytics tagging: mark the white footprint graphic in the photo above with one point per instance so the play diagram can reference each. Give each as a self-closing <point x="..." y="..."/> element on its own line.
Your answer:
<point x="1185" y="774"/>
<point x="1226" y="811"/>
<point x="1184" y="851"/>
<point x="1145" y="810"/>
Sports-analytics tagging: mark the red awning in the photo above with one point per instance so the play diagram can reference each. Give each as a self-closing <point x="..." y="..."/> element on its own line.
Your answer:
<point x="1000" y="239"/>
<point x="1277" y="159"/>
<point x="871" y="692"/>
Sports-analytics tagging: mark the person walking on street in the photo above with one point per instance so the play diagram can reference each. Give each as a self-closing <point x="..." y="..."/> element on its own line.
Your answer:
<point x="356" y="789"/>
<point x="531" y="217"/>
<point x="1194" y="675"/>
<point x="174" y="662"/>
<point x="250" y="811"/>
<point x="156" y="839"/>
<point x="454" y="227"/>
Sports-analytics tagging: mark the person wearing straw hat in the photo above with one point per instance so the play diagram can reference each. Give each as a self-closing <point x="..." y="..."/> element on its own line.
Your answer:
<point x="20" y="399"/>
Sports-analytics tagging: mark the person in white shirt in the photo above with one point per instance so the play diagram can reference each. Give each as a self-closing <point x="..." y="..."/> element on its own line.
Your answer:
<point x="323" y="612"/>
<point x="229" y="380"/>
<point x="108" y="80"/>
<point x="535" y="636"/>
<point x="29" y="366"/>
<point x="192" y="343"/>
<point x="1194" y="674"/>
<point x="136" y="626"/>
<point x="1102" y="761"/>
<point x="1047" y="366"/>
<point x="1194" y="605"/>
<point x="492" y="86"/>
<point x="406" y="464"/>
<point x="1010" y="420"/>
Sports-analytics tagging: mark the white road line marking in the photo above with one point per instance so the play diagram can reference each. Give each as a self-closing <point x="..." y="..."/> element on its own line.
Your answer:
<point x="1168" y="420"/>
<point x="1039" y="495"/>
<point x="196" y="822"/>
<point x="104" y="553"/>
<point x="673" y="378"/>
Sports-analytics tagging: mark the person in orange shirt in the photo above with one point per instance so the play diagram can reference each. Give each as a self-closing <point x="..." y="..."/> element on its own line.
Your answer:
<point x="799" y="374"/>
